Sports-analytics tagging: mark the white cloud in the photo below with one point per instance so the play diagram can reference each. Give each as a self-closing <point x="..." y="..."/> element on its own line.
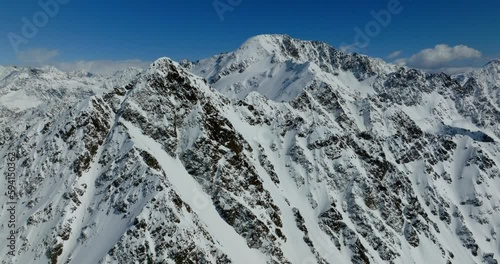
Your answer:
<point x="105" y="67"/>
<point x="348" y="48"/>
<point x="442" y="56"/>
<point x="395" y="54"/>
<point x="36" y="57"/>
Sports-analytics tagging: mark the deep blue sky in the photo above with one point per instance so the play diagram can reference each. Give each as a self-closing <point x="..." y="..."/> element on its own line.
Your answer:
<point x="146" y="30"/>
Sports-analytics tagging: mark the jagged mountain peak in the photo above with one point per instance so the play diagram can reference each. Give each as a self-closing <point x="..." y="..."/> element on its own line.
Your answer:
<point x="285" y="48"/>
<point x="269" y="42"/>
<point x="492" y="67"/>
<point x="280" y="47"/>
<point x="488" y="75"/>
<point x="167" y="69"/>
<point x="161" y="62"/>
<point x="494" y="62"/>
<point x="280" y="67"/>
<point x="268" y="37"/>
<point x="161" y="66"/>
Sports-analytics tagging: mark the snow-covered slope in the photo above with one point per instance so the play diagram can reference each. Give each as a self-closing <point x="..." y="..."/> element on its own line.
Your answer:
<point x="303" y="155"/>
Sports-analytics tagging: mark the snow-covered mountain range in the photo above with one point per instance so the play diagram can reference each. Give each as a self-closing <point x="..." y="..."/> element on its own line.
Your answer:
<point x="283" y="151"/>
